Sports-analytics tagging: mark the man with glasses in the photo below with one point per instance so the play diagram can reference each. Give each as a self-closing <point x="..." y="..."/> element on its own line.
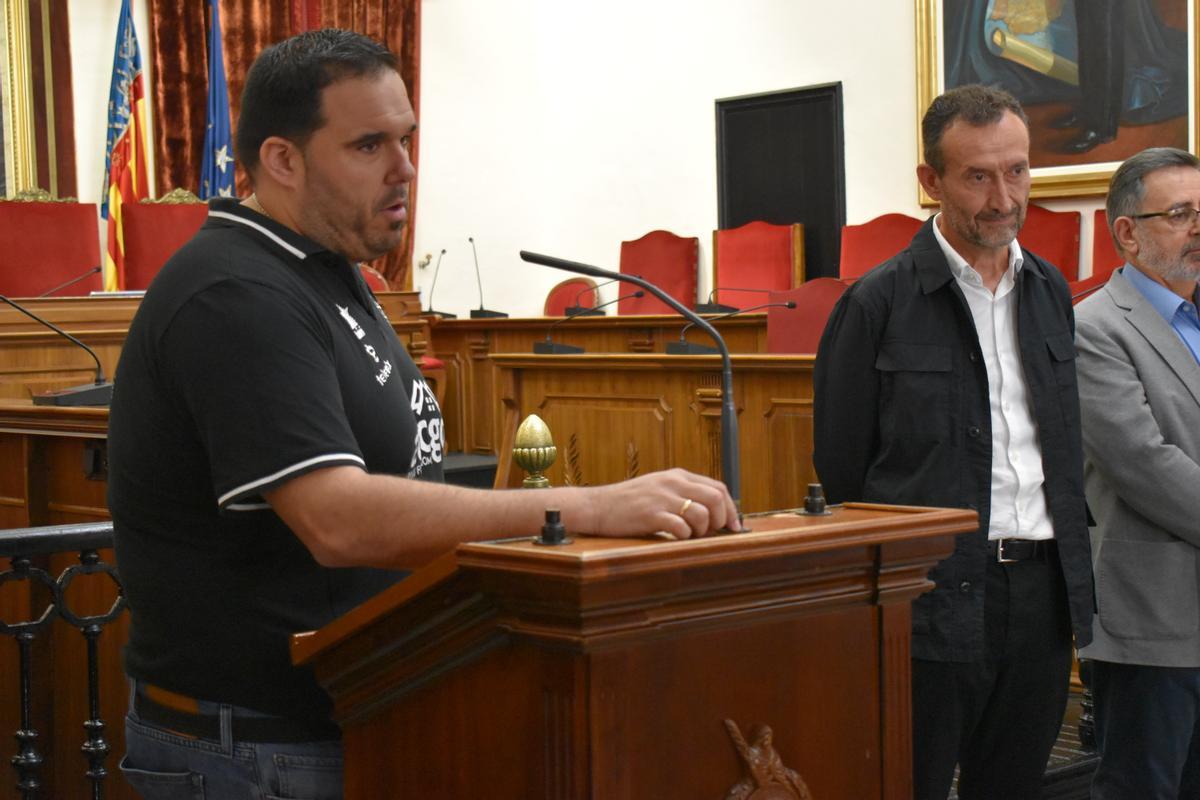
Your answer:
<point x="1139" y="388"/>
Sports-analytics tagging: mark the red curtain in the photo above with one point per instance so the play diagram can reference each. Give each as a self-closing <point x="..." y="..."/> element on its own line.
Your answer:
<point x="179" y="48"/>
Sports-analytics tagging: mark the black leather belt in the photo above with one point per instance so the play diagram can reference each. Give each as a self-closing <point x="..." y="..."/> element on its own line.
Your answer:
<point x="1010" y="551"/>
<point x="245" y="729"/>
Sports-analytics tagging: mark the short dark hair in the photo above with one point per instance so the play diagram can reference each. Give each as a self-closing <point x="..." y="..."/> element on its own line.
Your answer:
<point x="973" y="104"/>
<point x="1128" y="185"/>
<point x="282" y="96"/>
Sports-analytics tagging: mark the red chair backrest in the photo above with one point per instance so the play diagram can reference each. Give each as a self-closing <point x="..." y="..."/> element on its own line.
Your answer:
<point x="799" y="329"/>
<point x="571" y="292"/>
<point x="44" y="245"/>
<point x="868" y="245"/>
<point x="757" y="255"/>
<point x="666" y="260"/>
<point x="1105" y="257"/>
<point x="376" y="281"/>
<point x="1053" y="235"/>
<point x="153" y="232"/>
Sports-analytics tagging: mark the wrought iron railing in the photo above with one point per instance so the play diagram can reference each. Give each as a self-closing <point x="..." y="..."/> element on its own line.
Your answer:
<point x="25" y="547"/>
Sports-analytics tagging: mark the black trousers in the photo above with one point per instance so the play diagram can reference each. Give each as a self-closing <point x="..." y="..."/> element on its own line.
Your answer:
<point x="997" y="718"/>
<point x="1147" y="731"/>
<point x="1101" y="64"/>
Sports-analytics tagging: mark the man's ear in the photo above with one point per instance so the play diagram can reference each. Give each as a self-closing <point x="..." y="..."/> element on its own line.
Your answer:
<point x="1122" y="230"/>
<point x="281" y="160"/>
<point x="930" y="181"/>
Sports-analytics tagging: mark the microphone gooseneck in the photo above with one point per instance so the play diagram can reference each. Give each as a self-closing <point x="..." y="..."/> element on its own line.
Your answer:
<point x="730" y="465"/>
<point x="550" y="347"/>
<point x="433" y="285"/>
<point x="95" y="394"/>
<point x="71" y="282"/>
<point x="481" y="312"/>
<point x="759" y="307"/>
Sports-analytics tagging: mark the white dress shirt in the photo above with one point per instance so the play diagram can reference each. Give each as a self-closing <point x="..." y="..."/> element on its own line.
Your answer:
<point x="1018" y="500"/>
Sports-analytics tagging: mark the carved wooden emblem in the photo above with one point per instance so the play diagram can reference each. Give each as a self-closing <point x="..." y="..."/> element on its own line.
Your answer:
<point x="766" y="776"/>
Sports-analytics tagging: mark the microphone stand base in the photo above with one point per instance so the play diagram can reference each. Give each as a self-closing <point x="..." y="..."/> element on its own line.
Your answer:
<point x="583" y="311"/>
<point x="690" y="349"/>
<point x="483" y="313"/>
<point x="443" y="314"/>
<point x="714" y="308"/>
<point x="90" y="394"/>
<point x="554" y="348"/>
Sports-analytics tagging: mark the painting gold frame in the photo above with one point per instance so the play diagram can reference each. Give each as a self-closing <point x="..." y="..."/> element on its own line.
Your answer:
<point x="1085" y="181"/>
<point x="20" y="154"/>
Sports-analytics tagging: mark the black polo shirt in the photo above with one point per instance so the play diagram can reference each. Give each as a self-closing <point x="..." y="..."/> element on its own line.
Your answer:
<point x="255" y="357"/>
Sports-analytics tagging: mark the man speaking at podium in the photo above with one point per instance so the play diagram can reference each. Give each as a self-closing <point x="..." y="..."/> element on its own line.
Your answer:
<point x="946" y="377"/>
<point x="276" y="457"/>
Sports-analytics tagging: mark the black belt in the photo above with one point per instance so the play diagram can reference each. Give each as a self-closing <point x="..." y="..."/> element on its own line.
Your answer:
<point x="1009" y="551"/>
<point x="245" y="729"/>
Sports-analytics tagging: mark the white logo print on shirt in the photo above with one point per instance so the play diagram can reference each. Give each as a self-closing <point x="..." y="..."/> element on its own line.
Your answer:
<point x="430" y="440"/>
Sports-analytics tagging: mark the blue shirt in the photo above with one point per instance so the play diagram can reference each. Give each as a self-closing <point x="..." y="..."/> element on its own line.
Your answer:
<point x="1180" y="314"/>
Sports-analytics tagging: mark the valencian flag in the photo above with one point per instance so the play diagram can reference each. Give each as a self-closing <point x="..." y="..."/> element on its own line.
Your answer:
<point x="125" y="173"/>
<point x="216" y="171"/>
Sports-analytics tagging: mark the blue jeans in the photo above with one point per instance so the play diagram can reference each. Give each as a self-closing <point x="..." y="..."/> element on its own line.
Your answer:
<point x="164" y="765"/>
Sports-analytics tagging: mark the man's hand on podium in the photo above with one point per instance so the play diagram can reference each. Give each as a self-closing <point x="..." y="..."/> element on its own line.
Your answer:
<point x="675" y="502"/>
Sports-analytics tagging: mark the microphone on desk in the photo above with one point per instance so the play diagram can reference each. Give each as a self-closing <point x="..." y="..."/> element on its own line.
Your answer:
<point x="578" y="310"/>
<point x="71" y="282"/>
<point x="433" y="285"/>
<point x="685" y="348"/>
<point x="730" y="465"/>
<point x="713" y="307"/>
<point x="549" y="347"/>
<point x="89" y="394"/>
<point x="481" y="312"/>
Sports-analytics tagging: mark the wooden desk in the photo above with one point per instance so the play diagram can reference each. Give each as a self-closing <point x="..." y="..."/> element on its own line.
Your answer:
<point x="465" y="345"/>
<point x="35" y="359"/>
<point x="605" y="669"/>
<point x="616" y="416"/>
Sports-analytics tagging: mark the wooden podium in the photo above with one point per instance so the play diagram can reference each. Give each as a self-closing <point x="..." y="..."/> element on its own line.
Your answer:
<point x="608" y="669"/>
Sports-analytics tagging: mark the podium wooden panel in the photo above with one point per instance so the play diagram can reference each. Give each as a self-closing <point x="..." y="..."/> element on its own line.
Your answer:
<point x="605" y="669"/>
<point x="466" y="347"/>
<point x="616" y="416"/>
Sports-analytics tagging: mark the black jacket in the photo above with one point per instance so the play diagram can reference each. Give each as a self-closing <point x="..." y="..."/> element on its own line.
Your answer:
<point x="901" y="415"/>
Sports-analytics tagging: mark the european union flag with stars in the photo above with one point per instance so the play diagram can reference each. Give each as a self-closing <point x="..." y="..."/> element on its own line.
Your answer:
<point x="216" y="171"/>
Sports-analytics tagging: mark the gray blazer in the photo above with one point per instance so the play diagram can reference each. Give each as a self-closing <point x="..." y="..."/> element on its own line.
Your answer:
<point x="1139" y="391"/>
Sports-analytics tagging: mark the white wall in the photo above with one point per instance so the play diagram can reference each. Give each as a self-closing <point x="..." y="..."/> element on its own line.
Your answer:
<point x="565" y="127"/>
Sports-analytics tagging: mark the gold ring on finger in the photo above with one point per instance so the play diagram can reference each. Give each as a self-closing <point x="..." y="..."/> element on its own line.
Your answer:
<point x="683" y="508"/>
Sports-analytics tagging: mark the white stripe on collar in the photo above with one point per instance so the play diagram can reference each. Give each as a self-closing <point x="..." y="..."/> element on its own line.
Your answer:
<point x="251" y="224"/>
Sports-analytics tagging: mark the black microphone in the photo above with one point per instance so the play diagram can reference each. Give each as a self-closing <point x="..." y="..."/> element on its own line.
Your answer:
<point x="686" y="348"/>
<point x="730" y="465"/>
<point x="549" y="347"/>
<point x="433" y="286"/>
<point x="578" y="310"/>
<point x="713" y="307"/>
<point x="71" y="282"/>
<point x="89" y="394"/>
<point x="481" y="312"/>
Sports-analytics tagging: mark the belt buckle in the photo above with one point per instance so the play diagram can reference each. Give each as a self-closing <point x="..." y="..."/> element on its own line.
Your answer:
<point x="1000" y="559"/>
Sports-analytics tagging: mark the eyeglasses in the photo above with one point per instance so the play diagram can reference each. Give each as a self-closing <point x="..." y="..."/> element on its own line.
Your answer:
<point x="1180" y="218"/>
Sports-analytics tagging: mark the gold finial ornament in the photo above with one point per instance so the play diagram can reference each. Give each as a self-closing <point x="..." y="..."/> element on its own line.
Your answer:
<point x="534" y="451"/>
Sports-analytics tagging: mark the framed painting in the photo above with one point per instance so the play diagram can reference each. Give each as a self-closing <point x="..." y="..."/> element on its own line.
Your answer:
<point x="19" y="167"/>
<point x="1099" y="79"/>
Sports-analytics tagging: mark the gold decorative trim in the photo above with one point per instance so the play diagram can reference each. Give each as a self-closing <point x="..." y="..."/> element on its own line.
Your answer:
<point x="48" y="98"/>
<point x="20" y="155"/>
<point x="37" y="195"/>
<point x="175" y="197"/>
<point x="1047" y="181"/>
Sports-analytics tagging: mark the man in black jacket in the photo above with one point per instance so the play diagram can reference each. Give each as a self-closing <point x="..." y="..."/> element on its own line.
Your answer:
<point x="946" y="377"/>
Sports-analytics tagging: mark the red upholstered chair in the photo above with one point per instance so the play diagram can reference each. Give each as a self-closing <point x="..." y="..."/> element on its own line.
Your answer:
<point x="1053" y="235"/>
<point x="757" y="255"/>
<point x="571" y="292"/>
<point x="668" y="261"/>
<point x="374" y="278"/>
<point x="154" y="230"/>
<point x="868" y="245"/>
<point x="45" y="244"/>
<point x="798" y="330"/>
<point x="1105" y="257"/>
